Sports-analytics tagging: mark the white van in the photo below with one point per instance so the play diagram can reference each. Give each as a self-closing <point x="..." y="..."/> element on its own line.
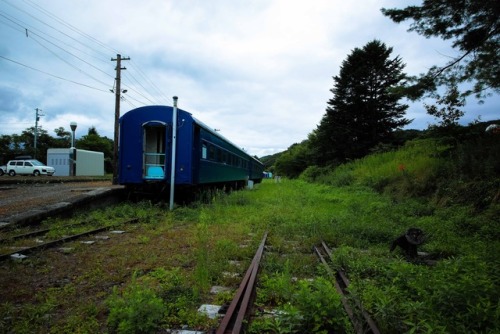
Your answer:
<point x="29" y="167"/>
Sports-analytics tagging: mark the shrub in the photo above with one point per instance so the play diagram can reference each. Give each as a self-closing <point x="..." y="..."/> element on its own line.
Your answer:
<point x="135" y="310"/>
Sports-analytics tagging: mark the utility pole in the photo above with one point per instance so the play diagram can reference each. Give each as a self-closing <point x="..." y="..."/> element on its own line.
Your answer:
<point x="37" y="118"/>
<point x="118" y="91"/>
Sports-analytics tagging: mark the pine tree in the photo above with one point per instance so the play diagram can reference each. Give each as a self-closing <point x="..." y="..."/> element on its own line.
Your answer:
<point x="473" y="27"/>
<point x="364" y="110"/>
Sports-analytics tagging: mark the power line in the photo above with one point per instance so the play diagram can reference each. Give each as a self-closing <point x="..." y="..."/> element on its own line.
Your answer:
<point x="61" y="22"/>
<point x="145" y="77"/>
<point x="30" y="32"/>
<point x="52" y="75"/>
<point x="139" y="82"/>
<point x="75" y="29"/>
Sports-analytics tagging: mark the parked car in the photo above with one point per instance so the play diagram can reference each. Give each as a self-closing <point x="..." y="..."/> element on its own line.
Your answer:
<point x="28" y="167"/>
<point x="3" y="170"/>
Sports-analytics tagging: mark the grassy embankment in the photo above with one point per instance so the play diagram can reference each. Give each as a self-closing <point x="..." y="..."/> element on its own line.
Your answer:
<point x="164" y="269"/>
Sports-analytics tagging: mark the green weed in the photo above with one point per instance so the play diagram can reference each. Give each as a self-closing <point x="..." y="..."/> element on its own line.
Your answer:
<point x="136" y="309"/>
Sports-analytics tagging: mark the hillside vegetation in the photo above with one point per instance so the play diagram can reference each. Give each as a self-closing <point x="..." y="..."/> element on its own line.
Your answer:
<point x="448" y="185"/>
<point x="156" y="276"/>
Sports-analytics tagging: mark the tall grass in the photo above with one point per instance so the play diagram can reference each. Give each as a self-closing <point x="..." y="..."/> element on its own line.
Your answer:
<point x="358" y="209"/>
<point x="410" y="170"/>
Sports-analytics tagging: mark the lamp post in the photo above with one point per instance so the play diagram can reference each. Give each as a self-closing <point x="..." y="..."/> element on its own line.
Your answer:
<point x="174" y="148"/>
<point x="73" y="129"/>
<point x="72" y="153"/>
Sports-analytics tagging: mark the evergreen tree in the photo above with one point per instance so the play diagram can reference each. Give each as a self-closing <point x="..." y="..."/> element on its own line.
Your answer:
<point x="473" y="26"/>
<point x="364" y="110"/>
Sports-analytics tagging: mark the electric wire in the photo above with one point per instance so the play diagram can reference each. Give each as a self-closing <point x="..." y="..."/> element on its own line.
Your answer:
<point x="75" y="29"/>
<point x="140" y="102"/>
<point x="52" y="75"/>
<point x="140" y="82"/>
<point x="30" y="32"/>
<point x="146" y="78"/>
<point x="71" y="65"/>
<point x="54" y="28"/>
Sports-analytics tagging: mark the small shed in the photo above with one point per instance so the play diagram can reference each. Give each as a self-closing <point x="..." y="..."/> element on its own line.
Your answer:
<point x="74" y="161"/>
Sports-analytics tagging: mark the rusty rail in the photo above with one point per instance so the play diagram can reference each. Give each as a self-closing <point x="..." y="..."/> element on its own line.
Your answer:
<point x="363" y="325"/>
<point x="241" y="303"/>
<point x="58" y="242"/>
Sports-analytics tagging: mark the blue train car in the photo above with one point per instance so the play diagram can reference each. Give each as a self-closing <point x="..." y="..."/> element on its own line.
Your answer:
<point x="203" y="156"/>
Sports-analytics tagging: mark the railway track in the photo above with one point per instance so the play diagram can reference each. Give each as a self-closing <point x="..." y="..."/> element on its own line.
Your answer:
<point x="23" y="251"/>
<point x="360" y="319"/>
<point x="241" y="305"/>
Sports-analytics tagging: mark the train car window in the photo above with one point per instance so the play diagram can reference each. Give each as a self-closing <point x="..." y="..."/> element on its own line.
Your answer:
<point x="219" y="155"/>
<point x="204" y="151"/>
<point x="224" y="157"/>
<point x="211" y="152"/>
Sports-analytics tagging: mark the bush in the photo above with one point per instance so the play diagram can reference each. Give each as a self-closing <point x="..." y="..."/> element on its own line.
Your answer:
<point x="135" y="310"/>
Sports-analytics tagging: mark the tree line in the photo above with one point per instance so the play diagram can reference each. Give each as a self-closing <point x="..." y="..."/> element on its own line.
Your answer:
<point x="24" y="144"/>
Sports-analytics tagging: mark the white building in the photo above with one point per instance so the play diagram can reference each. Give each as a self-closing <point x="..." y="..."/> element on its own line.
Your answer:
<point x="86" y="163"/>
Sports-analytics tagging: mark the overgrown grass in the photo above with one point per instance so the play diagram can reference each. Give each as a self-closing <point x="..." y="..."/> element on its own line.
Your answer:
<point x="167" y="262"/>
<point x="407" y="171"/>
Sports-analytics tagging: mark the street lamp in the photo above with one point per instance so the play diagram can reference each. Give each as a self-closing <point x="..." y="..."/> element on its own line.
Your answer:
<point x="73" y="128"/>
<point x="72" y="154"/>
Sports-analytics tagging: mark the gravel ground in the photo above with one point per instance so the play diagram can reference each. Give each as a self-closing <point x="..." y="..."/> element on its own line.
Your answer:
<point x="30" y="193"/>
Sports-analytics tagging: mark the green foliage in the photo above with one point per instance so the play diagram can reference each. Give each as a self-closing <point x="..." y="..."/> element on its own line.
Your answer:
<point x="137" y="309"/>
<point x="276" y="289"/>
<point x="410" y="170"/>
<point x="202" y="272"/>
<point x="311" y="306"/>
<point x="319" y="307"/>
<point x="473" y="28"/>
<point x="294" y="160"/>
<point x="458" y="295"/>
<point x="364" y="110"/>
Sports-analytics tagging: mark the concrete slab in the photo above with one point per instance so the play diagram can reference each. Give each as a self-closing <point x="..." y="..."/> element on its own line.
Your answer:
<point x="212" y="311"/>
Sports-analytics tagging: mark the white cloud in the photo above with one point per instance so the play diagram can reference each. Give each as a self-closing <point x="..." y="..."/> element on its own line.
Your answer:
<point x="259" y="71"/>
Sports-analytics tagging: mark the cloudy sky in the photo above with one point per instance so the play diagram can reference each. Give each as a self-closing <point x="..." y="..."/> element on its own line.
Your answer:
<point x="260" y="71"/>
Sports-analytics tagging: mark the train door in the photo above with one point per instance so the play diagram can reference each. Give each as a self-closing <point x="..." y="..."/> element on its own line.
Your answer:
<point x="154" y="150"/>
